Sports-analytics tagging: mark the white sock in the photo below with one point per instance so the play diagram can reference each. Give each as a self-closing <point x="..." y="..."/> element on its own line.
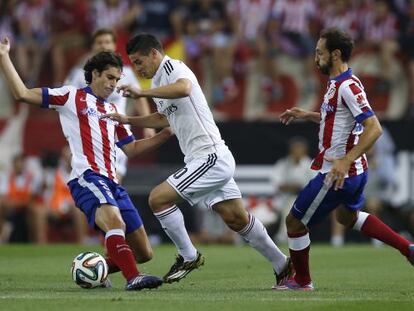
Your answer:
<point x="256" y="236"/>
<point x="172" y="221"/>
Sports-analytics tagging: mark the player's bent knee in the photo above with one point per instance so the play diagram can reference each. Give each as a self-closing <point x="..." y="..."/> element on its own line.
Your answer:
<point x="294" y="225"/>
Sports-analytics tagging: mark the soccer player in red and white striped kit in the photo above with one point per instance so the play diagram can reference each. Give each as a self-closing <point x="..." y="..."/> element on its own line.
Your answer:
<point x="348" y="127"/>
<point x="93" y="142"/>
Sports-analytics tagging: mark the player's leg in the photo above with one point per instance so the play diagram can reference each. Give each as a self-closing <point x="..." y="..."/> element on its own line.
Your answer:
<point x="313" y="204"/>
<point x="250" y="228"/>
<point x="373" y="227"/>
<point x="94" y="195"/>
<point x="163" y="200"/>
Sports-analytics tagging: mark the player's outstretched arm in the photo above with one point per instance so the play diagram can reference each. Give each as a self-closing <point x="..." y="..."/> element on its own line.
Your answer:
<point x="144" y="146"/>
<point x="154" y="120"/>
<point x="180" y="88"/>
<point x="298" y="113"/>
<point x="19" y="90"/>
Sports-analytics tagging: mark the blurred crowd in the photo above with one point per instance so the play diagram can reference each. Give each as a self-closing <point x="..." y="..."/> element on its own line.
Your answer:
<point x="237" y="47"/>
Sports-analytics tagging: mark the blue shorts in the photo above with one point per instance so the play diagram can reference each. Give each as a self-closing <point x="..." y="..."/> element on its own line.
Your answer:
<point x="91" y="190"/>
<point x="316" y="200"/>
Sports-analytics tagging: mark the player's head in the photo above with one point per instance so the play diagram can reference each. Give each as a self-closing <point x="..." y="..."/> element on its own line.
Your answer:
<point x="146" y="53"/>
<point x="334" y="47"/>
<point x="102" y="72"/>
<point x="104" y="40"/>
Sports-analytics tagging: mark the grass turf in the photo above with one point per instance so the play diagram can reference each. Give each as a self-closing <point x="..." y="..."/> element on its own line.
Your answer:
<point x="356" y="277"/>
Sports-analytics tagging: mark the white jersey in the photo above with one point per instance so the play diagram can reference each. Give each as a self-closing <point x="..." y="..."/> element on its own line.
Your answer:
<point x="189" y="117"/>
<point x="77" y="79"/>
<point x="91" y="140"/>
<point x="343" y="110"/>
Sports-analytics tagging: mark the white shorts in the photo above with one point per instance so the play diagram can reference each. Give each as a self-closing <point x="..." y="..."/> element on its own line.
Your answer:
<point x="207" y="180"/>
<point x="121" y="163"/>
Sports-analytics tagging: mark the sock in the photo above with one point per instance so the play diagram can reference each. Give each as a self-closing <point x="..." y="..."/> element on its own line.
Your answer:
<point x="120" y="253"/>
<point x="375" y="228"/>
<point x="299" y="247"/>
<point x="112" y="267"/>
<point x="172" y="221"/>
<point x="256" y="236"/>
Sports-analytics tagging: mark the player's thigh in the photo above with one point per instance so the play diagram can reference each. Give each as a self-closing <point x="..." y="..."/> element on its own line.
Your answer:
<point x="163" y="196"/>
<point x="108" y="217"/>
<point x="203" y="176"/>
<point x="141" y="246"/>
<point x="346" y="216"/>
<point x="315" y="202"/>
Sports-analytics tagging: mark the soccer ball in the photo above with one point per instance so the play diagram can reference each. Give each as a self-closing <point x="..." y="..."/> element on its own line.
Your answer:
<point x="89" y="270"/>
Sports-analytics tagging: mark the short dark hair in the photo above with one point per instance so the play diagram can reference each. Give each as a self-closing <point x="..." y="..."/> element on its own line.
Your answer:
<point x="336" y="39"/>
<point x="101" y="62"/>
<point x="143" y="43"/>
<point x="104" y="31"/>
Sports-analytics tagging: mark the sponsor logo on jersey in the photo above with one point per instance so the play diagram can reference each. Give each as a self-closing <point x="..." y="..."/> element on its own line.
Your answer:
<point x="170" y="110"/>
<point x="327" y="108"/>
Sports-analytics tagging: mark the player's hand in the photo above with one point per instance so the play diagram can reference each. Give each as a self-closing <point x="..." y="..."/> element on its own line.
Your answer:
<point x="148" y="133"/>
<point x="336" y="176"/>
<point x="292" y="114"/>
<point x="4" y="46"/>
<point x="120" y="118"/>
<point x="129" y="91"/>
<point x="168" y="131"/>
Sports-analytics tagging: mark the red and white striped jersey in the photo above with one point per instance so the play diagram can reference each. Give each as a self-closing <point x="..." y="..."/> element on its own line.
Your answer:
<point x="344" y="108"/>
<point x="91" y="139"/>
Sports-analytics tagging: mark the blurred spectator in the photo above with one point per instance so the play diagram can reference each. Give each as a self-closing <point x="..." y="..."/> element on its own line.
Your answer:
<point x="105" y="40"/>
<point x="249" y="18"/>
<point x="407" y="44"/>
<point x="291" y="32"/>
<point x="20" y="204"/>
<point x="71" y="27"/>
<point x="341" y="14"/>
<point x="289" y="176"/>
<point x="160" y="18"/>
<point x="32" y="40"/>
<point x="8" y="23"/>
<point x="115" y="14"/>
<point x="380" y="33"/>
<point x="57" y="197"/>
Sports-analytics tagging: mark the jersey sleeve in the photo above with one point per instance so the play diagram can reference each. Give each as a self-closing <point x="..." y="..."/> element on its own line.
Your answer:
<point x="55" y="98"/>
<point x="129" y="78"/>
<point x="176" y="70"/>
<point x="123" y="134"/>
<point x="356" y="100"/>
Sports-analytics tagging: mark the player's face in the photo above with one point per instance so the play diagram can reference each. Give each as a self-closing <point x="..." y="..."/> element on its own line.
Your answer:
<point x="104" y="83"/>
<point x="144" y="65"/>
<point x="323" y="58"/>
<point x="104" y="43"/>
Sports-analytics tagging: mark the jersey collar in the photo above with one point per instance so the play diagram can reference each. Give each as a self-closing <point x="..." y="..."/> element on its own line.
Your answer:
<point x="89" y="91"/>
<point x="158" y="73"/>
<point x="343" y="76"/>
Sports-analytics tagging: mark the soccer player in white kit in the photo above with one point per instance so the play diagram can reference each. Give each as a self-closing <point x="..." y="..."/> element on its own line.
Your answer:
<point x="104" y="39"/>
<point x="207" y="177"/>
<point x="93" y="142"/>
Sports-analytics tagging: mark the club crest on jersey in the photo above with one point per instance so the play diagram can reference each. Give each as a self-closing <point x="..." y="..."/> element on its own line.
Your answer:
<point x="330" y="93"/>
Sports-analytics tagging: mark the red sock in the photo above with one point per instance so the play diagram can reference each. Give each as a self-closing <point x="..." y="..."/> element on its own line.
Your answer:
<point x="300" y="261"/>
<point x="299" y="246"/>
<point x="112" y="267"/>
<point x="375" y="228"/>
<point x="121" y="254"/>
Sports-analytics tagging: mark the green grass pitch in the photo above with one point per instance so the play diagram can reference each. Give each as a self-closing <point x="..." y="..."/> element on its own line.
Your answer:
<point x="356" y="277"/>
